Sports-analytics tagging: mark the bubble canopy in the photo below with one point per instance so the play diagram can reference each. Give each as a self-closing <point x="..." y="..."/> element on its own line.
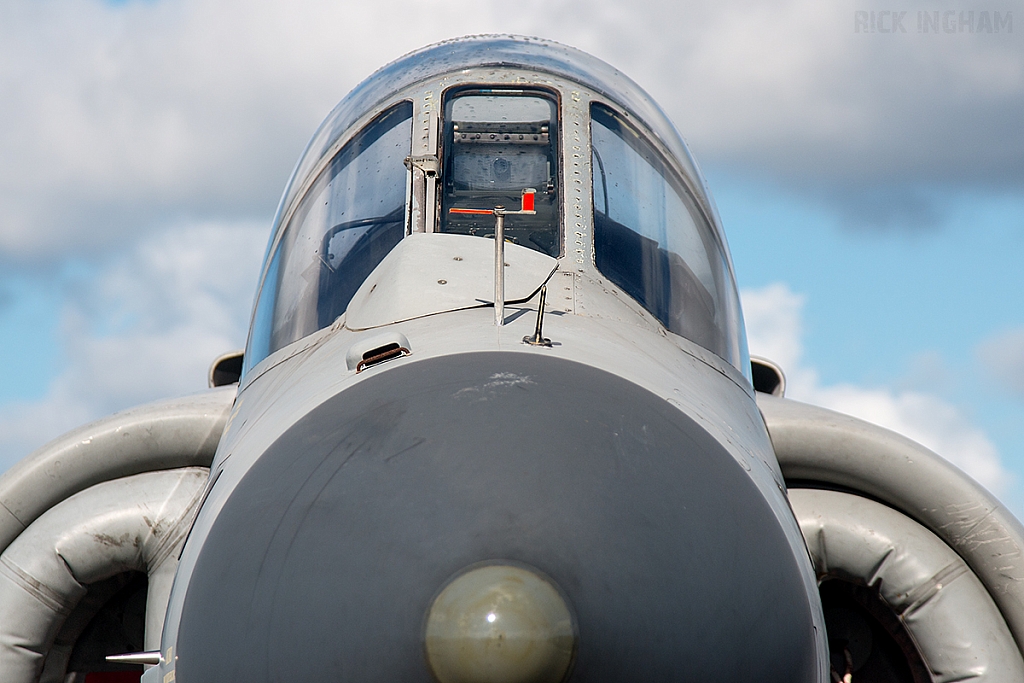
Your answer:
<point x="349" y="198"/>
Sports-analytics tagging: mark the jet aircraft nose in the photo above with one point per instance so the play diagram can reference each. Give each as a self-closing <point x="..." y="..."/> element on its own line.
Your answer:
<point x="326" y="561"/>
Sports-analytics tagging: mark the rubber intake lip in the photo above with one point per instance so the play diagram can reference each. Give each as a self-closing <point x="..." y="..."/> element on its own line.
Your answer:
<point x="329" y="552"/>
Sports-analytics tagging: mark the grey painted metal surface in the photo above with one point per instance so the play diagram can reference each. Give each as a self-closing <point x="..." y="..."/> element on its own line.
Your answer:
<point x="180" y="432"/>
<point x="768" y="376"/>
<point x="959" y="632"/>
<point x="135" y="523"/>
<point x="819" y="445"/>
<point x="437" y="272"/>
<point x="674" y="562"/>
<point x="294" y="381"/>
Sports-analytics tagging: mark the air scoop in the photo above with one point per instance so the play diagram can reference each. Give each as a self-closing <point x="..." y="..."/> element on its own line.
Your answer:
<point x="500" y="623"/>
<point x="429" y="273"/>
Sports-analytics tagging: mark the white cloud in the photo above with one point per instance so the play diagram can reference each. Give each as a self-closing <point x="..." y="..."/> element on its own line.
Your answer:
<point x="773" y="317"/>
<point x="147" y="327"/>
<point x="1003" y="357"/>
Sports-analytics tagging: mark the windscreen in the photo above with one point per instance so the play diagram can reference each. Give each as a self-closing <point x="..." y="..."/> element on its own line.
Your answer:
<point x="650" y="239"/>
<point x="497" y="144"/>
<point x="348" y="221"/>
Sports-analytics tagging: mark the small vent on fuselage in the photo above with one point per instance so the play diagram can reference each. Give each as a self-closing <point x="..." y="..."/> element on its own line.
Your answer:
<point x="381" y="354"/>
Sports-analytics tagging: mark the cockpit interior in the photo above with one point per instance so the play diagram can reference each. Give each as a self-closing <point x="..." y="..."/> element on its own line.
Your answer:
<point x="498" y="143"/>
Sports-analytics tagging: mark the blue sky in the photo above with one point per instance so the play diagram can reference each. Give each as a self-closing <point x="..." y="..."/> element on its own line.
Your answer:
<point x="872" y="189"/>
<point x="903" y="311"/>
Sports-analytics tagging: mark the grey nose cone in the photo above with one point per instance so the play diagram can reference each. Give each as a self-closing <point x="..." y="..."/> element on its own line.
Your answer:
<point x="499" y="624"/>
<point x="326" y="559"/>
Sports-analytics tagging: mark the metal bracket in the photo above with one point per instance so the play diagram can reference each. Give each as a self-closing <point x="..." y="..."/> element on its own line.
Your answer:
<point x="428" y="164"/>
